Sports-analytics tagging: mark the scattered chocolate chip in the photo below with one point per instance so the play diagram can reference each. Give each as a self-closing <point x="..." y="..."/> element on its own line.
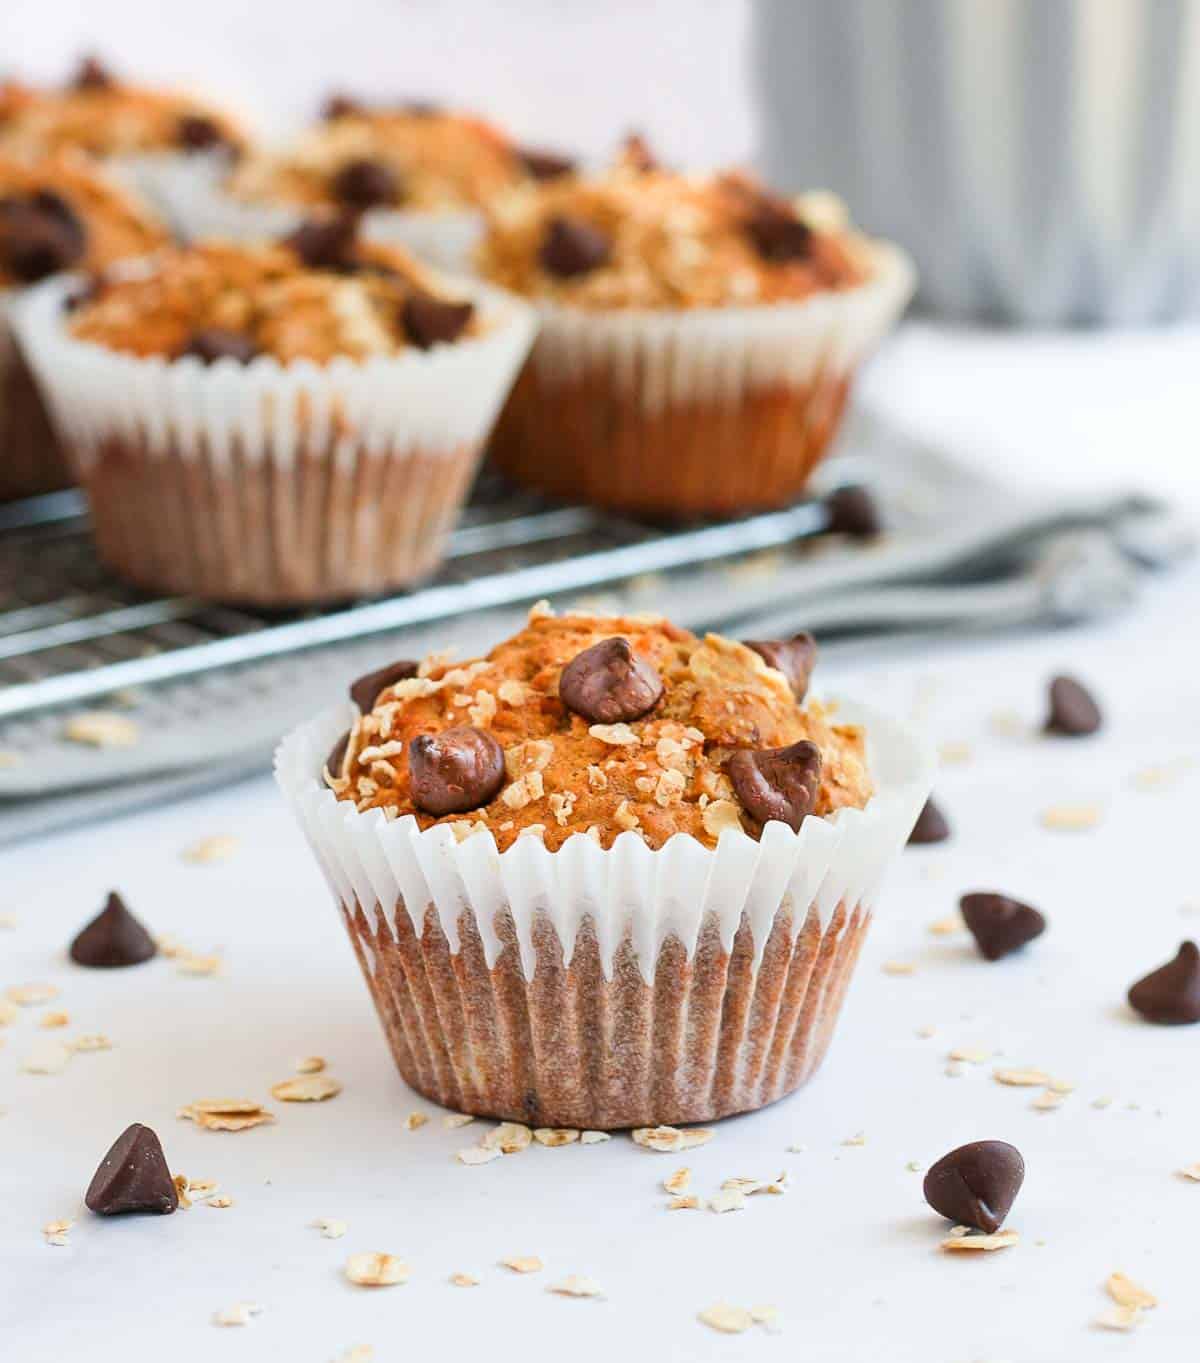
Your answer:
<point x="635" y="152"/>
<point x="365" y="183"/>
<point x="430" y="321"/>
<point x="1073" y="711"/>
<point x="40" y="236"/>
<point x="337" y="755"/>
<point x="365" y="691"/>
<point x="779" y="236"/>
<point x="1171" y="994"/>
<point x="976" y="1184"/>
<point x="198" y="132"/>
<point x="931" y="825"/>
<point x="215" y="343"/>
<point x="609" y="682"/>
<point x="92" y="74"/>
<point x="341" y="106"/>
<point x="1000" y="925"/>
<point x="544" y="165"/>
<point x="133" y="1176"/>
<point x="456" y="770"/>
<point x="777" y="783"/>
<point x="795" y="658"/>
<point x="113" y="938"/>
<point x="571" y="247"/>
<point x="326" y="243"/>
<point x="852" y="511"/>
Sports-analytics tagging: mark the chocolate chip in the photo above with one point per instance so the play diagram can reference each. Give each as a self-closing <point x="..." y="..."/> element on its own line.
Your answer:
<point x="430" y="321"/>
<point x="365" y="183"/>
<point x="571" y="247"/>
<point x="337" y="755"/>
<point x="133" y="1176"/>
<point x="779" y="236"/>
<point x="609" y="682"/>
<point x="341" y="106"/>
<point x="198" y="132"/>
<point x="777" y="783"/>
<point x="795" y="658"/>
<point x="931" y="825"/>
<point x="40" y="236"/>
<point x="326" y="243"/>
<point x="1000" y="925"/>
<point x="544" y="165"/>
<point x="456" y="770"/>
<point x="1073" y="712"/>
<point x="92" y="74"/>
<point x="976" y="1184"/>
<point x="852" y="511"/>
<point x="215" y="343"/>
<point x="365" y="691"/>
<point x="113" y="938"/>
<point x="635" y="152"/>
<point x="1171" y="994"/>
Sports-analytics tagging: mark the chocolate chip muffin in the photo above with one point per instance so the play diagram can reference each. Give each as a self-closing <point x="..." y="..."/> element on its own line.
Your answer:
<point x="56" y="214"/>
<point x="698" y="336"/>
<point x="612" y="874"/>
<point x="276" y="423"/>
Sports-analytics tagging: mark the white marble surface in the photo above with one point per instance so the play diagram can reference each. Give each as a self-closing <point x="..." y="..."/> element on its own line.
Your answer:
<point x="849" y="1256"/>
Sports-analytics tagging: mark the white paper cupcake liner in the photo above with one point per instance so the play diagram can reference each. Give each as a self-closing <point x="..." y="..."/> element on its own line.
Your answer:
<point x="705" y="411"/>
<point x="169" y="180"/>
<point x="274" y="483"/>
<point x="607" y="988"/>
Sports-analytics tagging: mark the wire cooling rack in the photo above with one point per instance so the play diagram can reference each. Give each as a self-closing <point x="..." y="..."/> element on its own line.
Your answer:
<point x="70" y="631"/>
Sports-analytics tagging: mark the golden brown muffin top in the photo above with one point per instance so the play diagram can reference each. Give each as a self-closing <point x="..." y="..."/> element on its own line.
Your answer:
<point x="530" y="739"/>
<point x="641" y="237"/>
<point x="414" y="157"/>
<point x="97" y="114"/>
<point x="62" y="213"/>
<point x="320" y="294"/>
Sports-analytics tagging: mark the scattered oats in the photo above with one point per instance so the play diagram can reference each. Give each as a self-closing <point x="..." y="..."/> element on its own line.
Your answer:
<point x="56" y="1231"/>
<point x="464" y="1280"/>
<point x="955" y="1069"/>
<point x="376" y="1270"/>
<point x="48" y="1056"/>
<point x="944" y="927"/>
<point x="1072" y="818"/>
<point x="1021" y="1078"/>
<point x="573" y="1285"/>
<point x="797" y="1149"/>
<point x="483" y="711"/>
<point x="541" y="610"/>
<point x="728" y="1200"/>
<point x="679" y="1181"/>
<point x="720" y="815"/>
<point x="453" y="1120"/>
<point x="219" y="847"/>
<point x="192" y="964"/>
<point x="226" y="1114"/>
<point x="555" y="1135"/>
<point x="859" y="1139"/>
<point x="90" y="1041"/>
<point x="954" y="753"/>
<point x="311" y="1064"/>
<point x="330" y="1228"/>
<point x="926" y="1032"/>
<point x="594" y="1137"/>
<point x="1008" y="724"/>
<point x="237" y="1314"/>
<point x="596" y="778"/>
<point x="415" y="1121"/>
<point x="306" y="1088"/>
<point x="1105" y="1100"/>
<point x="670" y="1139"/>
<point x="1048" y="1101"/>
<point x="221" y="1200"/>
<point x="514" y="693"/>
<point x="197" y="1189"/>
<point x="524" y="790"/>
<point x="54" y="1020"/>
<point x="1125" y="1292"/>
<point x="1191" y="1172"/>
<point x="102" y="729"/>
<point x="1159" y="777"/>
<point x="523" y="1263"/>
<point x="1119" y="1318"/>
<point x="509" y="1138"/>
<point x="690" y="1203"/>
<point x="899" y="968"/>
<point x="1061" y="1086"/>
<point x="181" y="1190"/>
<point x="615" y="735"/>
<point x="1002" y="1239"/>
<point x="624" y="817"/>
<point x="729" y="1320"/>
<point x="29" y="995"/>
<point x="478" y="1154"/>
<point x="914" y="1166"/>
<point x="973" y="1055"/>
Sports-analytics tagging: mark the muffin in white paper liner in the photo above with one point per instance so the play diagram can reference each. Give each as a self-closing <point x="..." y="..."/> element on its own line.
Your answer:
<point x="693" y="412"/>
<point x="271" y="483"/>
<point x="607" y="988"/>
<point x="199" y="206"/>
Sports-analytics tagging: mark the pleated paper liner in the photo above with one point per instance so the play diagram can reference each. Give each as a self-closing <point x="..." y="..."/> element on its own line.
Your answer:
<point x="594" y="988"/>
